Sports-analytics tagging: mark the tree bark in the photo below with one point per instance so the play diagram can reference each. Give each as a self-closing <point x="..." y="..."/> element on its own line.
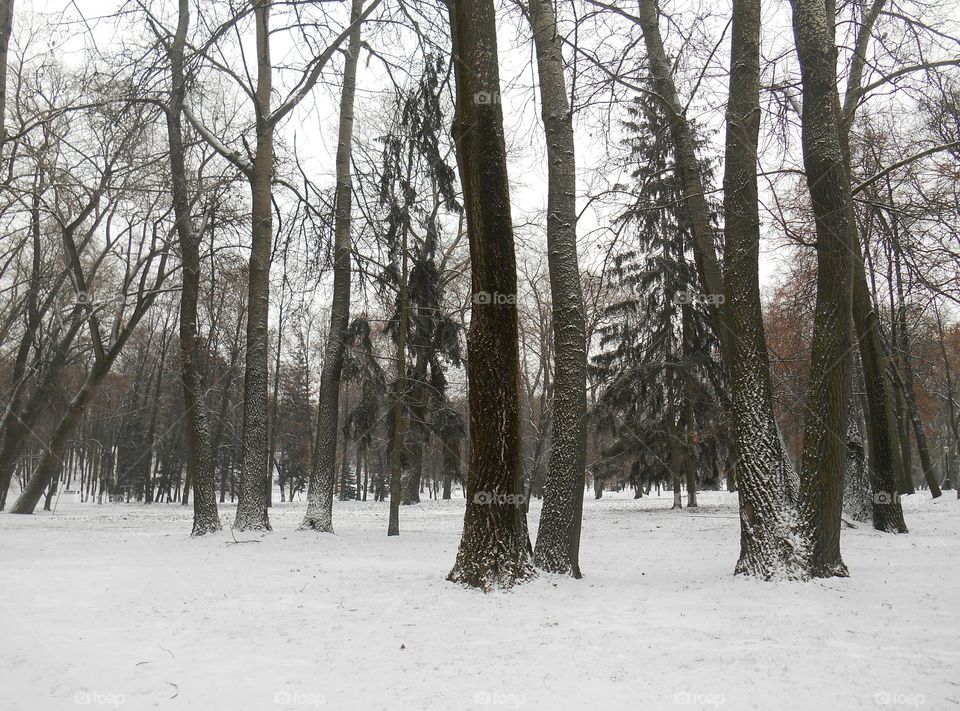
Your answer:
<point x="828" y="181"/>
<point x="885" y="457"/>
<point x="767" y="518"/>
<point x="206" y="518"/>
<point x="494" y="550"/>
<point x="558" y="536"/>
<point x="400" y="394"/>
<point x="319" y="514"/>
<point x="907" y="384"/>
<point x="252" y="501"/>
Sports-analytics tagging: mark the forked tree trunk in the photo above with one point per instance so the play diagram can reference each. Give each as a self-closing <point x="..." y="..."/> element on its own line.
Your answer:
<point x="319" y="515"/>
<point x="558" y="537"/>
<point x="206" y="519"/>
<point x="493" y="551"/>
<point x="825" y="423"/>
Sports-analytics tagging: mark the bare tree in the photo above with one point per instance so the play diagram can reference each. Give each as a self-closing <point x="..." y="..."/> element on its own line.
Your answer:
<point x="319" y="515"/>
<point x="558" y="537"/>
<point x="494" y="549"/>
<point x="825" y="424"/>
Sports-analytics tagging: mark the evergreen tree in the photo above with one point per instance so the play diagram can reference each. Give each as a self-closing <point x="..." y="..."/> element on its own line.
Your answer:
<point x="663" y="383"/>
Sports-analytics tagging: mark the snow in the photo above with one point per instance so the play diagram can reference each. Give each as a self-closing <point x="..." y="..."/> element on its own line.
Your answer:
<point x="114" y="606"/>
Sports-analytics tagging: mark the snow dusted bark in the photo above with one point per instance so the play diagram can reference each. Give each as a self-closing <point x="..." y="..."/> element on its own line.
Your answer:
<point x="199" y="455"/>
<point x="769" y="546"/>
<point x="558" y="537"/>
<point x="825" y="425"/>
<point x="319" y="515"/>
<point x="494" y="548"/>
<point x="254" y="477"/>
<point x="858" y="499"/>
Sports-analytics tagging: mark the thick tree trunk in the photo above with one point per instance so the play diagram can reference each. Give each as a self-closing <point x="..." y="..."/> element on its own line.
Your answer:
<point x="825" y="425"/>
<point x="252" y="501"/>
<point x="558" y="536"/>
<point x="494" y="548"/>
<point x="767" y="518"/>
<point x="319" y="515"/>
<point x="206" y="519"/>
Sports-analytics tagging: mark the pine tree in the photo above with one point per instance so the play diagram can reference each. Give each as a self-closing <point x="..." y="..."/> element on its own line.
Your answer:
<point x="659" y="360"/>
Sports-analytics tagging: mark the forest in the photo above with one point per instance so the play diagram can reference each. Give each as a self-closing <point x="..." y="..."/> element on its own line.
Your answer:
<point x="520" y="275"/>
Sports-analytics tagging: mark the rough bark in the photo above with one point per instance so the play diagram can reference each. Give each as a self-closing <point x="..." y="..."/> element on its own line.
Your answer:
<point x="769" y="546"/>
<point x="319" y="514"/>
<point x="493" y="551"/>
<point x="206" y="519"/>
<point x="558" y="536"/>
<point x="828" y="181"/>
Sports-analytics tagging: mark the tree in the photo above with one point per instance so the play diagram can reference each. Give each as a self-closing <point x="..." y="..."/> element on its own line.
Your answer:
<point x="825" y="425"/>
<point x="659" y="361"/>
<point x="494" y="549"/>
<point x="768" y="521"/>
<point x="199" y="455"/>
<point x="258" y="169"/>
<point x="558" y="537"/>
<point x="319" y="514"/>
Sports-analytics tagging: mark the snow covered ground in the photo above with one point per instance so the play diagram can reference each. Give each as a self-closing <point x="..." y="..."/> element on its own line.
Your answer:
<point x="115" y="607"/>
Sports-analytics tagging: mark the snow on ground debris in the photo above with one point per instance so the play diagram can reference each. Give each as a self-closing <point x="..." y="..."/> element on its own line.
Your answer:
<point x="114" y="607"/>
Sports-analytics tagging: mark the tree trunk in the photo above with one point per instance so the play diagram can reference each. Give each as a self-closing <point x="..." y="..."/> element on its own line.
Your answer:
<point x="907" y="385"/>
<point x="767" y="518"/>
<point x="252" y="501"/>
<point x="493" y="551"/>
<point x="206" y="518"/>
<point x="825" y="424"/>
<point x="400" y="395"/>
<point x="49" y="467"/>
<point x="319" y="515"/>
<point x="558" y="536"/>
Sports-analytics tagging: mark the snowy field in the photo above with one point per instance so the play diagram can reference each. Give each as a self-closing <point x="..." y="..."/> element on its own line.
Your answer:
<point x="115" y="607"/>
